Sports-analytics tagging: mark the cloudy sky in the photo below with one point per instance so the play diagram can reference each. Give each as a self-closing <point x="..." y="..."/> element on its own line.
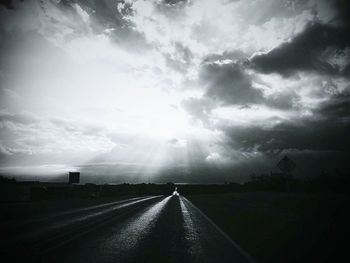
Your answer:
<point x="173" y="90"/>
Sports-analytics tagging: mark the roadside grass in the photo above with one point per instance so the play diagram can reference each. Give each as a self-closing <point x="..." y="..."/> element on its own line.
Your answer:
<point x="279" y="227"/>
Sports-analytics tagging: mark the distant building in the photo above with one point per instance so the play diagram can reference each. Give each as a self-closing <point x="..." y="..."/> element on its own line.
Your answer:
<point x="74" y="177"/>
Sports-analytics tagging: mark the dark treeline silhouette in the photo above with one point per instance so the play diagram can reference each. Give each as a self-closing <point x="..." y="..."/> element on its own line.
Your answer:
<point x="325" y="182"/>
<point x="4" y="179"/>
<point x="33" y="190"/>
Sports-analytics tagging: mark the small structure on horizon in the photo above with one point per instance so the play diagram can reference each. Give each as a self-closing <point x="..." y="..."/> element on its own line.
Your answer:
<point x="74" y="177"/>
<point x="286" y="165"/>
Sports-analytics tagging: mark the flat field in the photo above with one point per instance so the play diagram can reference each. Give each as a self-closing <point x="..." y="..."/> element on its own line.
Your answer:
<point x="282" y="227"/>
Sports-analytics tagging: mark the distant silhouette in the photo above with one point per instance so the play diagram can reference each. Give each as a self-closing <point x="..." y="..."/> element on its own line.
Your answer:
<point x="286" y="165"/>
<point x="74" y="177"/>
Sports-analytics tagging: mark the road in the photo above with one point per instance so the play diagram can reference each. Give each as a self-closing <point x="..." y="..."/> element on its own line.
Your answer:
<point x="144" y="229"/>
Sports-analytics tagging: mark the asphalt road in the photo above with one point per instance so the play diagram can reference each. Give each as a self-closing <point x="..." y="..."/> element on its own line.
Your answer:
<point x="145" y="229"/>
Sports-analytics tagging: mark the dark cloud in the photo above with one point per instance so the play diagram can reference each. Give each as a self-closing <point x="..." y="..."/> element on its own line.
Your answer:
<point x="184" y="52"/>
<point x="181" y="59"/>
<point x="288" y="99"/>
<point x="319" y="48"/>
<point x="337" y="108"/>
<point x="172" y="8"/>
<point x="103" y="15"/>
<point x="109" y="15"/>
<point x="104" y="11"/>
<point x="306" y="135"/>
<point x="342" y="8"/>
<point x="199" y="108"/>
<point x="174" y="2"/>
<point x="113" y="15"/>
<point x="229" y="83"/>
<point x="326" y="130"/>
<point x="9" y="4"/>
<point x="235" y="56"/>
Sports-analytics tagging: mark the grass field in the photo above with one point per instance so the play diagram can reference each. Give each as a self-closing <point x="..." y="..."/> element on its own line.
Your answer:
<point x="281" y="227"/>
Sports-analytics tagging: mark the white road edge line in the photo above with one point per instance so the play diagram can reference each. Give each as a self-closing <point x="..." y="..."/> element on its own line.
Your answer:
<point x="241" y="250"/>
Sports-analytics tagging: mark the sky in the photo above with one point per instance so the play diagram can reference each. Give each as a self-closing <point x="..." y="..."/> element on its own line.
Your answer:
<point x="191" y="91"/>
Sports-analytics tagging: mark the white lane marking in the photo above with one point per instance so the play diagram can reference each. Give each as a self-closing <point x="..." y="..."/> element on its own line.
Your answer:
<point x="60" y="224"/>
<point x="191" y="235"/>
<point x="19" y="222"/>
<point x="105" y="211"/>
<point x="128" y="238"/>
<point x="73" y="211"/>
<point x="241" y="250"/>
<point x="86" y="231"/>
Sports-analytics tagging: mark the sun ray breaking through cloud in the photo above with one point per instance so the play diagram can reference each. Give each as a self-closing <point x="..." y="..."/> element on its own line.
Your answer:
<point x="187" y="90"/>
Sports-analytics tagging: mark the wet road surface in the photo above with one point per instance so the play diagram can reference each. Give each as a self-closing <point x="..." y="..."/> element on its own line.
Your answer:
<point x="147" y="229"/>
